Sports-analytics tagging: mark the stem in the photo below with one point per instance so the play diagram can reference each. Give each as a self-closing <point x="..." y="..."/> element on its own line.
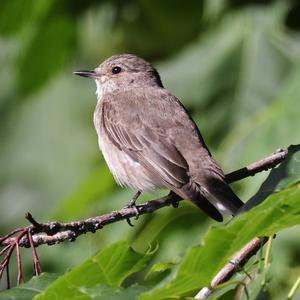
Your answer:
<point x="20" y="273"/>
<point x="267" y="259"/>
<point x="294" y="288"/>
<point x="7" y="277"/>
<point x="36" y="261"/>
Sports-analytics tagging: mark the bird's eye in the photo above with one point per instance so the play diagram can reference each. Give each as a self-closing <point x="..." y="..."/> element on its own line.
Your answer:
<point x="116" y="70"/>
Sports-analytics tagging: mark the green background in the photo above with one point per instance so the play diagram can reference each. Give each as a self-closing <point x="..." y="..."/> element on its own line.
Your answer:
<point x="234" y="64"/>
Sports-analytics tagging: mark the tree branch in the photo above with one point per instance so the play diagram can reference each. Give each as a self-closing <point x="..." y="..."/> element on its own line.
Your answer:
<point x="56" y="232"/>
<point x="237" y="262"/>
<point x="265" y="164"/>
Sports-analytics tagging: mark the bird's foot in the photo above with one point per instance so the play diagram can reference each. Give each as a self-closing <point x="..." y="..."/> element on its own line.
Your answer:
<point x="175" y="199"/>
<point x="132" y="204"/>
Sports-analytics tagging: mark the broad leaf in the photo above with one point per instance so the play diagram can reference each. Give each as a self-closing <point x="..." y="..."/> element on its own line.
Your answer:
<point x="110" y="267"/>
<point x="29" y="289"/>
<point x="105" y="292"/>
<point x="201" y="263"/>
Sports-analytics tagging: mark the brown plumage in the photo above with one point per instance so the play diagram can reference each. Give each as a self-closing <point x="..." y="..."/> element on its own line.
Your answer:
<point x="148" y="139"/>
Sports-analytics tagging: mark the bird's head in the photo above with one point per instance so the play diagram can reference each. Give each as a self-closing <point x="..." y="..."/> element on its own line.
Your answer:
<point x="123" y="72"/>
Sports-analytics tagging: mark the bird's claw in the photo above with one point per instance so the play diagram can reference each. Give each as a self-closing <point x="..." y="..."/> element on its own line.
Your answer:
<point x="137" y="213"/>
<point x="132" y="204"/>
<point x="129" y="222"/>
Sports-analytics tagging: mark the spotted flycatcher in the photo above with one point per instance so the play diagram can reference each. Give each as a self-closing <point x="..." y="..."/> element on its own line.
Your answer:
<point x="149" y="140"/>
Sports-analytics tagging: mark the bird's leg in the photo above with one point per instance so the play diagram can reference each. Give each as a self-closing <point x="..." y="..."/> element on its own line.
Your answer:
<point x="133" y="199"/>
<point x="132" y="204"/>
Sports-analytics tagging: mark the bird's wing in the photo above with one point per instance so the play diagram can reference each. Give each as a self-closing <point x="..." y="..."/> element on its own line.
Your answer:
<point x="144" y="144"/>
<point x="141" y="131"/>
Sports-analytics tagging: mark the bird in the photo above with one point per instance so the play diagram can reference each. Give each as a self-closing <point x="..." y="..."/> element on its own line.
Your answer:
<point x="150" y="141"/>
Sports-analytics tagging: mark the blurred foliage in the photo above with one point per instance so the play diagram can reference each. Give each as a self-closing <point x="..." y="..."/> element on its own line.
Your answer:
<point x="29" y="289"/>
<point x="234" y="64"/>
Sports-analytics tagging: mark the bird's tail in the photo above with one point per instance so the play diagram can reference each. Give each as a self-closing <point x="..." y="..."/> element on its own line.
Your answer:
<point x="222" y="196"/>
<point x="215" y="198"/>
<point x="191" y="192"/>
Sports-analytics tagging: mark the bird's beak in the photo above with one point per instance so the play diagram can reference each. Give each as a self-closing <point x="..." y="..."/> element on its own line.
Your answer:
<point x="84" y="73"/>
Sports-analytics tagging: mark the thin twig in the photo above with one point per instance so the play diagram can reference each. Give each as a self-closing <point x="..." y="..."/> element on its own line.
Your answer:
<point x="30" y="219"/>
<point x="4" y="250"/>
<point x="7" y="277"/>
<point x="36" y="261"/>
<point x="242" y="286"/>
<point x="262" y="165"/>
<point x="1" y="272"/>
<point x="5" y="261"/>
<point x="20" y="272"/>
<point x="5" y="237"/>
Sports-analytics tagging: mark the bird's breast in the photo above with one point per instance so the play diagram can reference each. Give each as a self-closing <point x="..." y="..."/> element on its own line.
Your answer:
<point x="126" y="170"/>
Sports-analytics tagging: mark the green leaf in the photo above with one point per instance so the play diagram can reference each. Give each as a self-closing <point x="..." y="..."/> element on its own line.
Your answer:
<point x="29" y="289"/>
<point x="159" y="267"/>
<point x="254" y="288"/>
<point x="158" y="272"/>
<point x="201" y="263"/>
<point x="111" y="267"/>
<point x="113" y="293"/>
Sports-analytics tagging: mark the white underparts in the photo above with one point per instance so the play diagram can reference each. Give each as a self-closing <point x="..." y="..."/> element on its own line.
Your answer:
<point x="125" y="170"/>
